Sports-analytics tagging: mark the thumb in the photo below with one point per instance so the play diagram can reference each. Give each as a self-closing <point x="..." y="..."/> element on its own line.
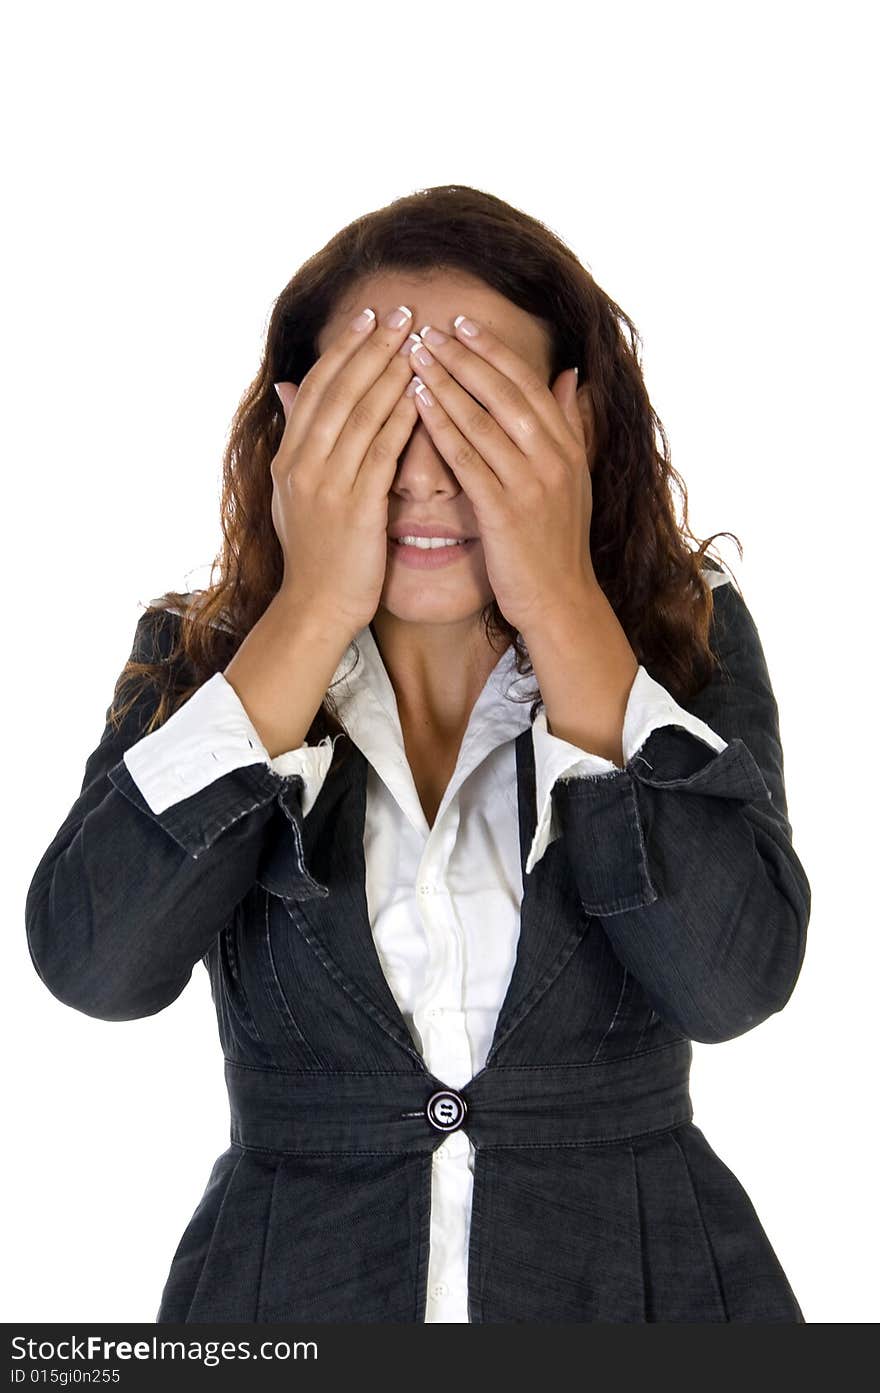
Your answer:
<point x="565" y="390"/>
<point x="286" y="394"/>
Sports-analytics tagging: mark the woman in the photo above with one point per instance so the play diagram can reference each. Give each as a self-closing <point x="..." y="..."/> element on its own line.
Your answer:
<point x="459" y="938"/>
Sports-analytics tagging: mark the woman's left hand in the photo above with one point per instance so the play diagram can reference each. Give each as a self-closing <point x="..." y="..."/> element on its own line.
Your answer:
<point x="524" y="462"/>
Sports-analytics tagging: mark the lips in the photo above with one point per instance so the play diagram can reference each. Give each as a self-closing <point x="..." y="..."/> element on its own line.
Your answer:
<point x="431" y="558"/>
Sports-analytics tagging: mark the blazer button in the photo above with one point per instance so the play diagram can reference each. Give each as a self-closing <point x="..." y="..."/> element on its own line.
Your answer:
<point x="446" y="1110"/>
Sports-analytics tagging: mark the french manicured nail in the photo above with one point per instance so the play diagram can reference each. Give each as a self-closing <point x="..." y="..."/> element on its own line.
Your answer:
<point x="364" y="320"/>
<point x="432" y="335"/>
<point x="397" y="318"/>
<point x="422" y="392"/>
<point x="408" y="345"/>
<point x="467" y="326"/>
<point x="422" y="356"/>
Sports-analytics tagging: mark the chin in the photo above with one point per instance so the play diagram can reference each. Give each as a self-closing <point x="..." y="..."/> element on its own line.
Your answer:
<point x="418" y="609"/>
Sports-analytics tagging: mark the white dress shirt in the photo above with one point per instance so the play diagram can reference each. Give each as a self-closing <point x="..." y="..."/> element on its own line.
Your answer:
<point x="443" y="901"/>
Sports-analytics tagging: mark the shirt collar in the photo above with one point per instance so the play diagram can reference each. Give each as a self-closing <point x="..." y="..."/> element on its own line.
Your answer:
<point x="367" y="707"/>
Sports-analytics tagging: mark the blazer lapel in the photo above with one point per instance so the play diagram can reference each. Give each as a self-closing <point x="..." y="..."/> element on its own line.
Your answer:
<point x="337" y="926"/>
<point x="552" y="922"/>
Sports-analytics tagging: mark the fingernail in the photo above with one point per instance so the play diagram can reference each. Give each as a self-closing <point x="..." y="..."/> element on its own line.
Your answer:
<point x="421" y="391"/>
<point x="397" y="318"/>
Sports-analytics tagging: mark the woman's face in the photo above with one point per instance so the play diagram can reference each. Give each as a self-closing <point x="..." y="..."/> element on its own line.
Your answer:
<point x="425" y="488"/>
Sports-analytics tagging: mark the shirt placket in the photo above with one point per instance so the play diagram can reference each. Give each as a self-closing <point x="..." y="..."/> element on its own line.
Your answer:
<point x="439" y="1017"/>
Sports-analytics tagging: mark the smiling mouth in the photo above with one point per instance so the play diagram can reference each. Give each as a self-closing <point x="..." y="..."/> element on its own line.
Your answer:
<point x="459" y="541"/>
<point x="432" y="558"/>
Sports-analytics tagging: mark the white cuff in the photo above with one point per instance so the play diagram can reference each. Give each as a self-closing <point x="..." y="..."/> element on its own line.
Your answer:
<point x="207" y="737"/>
<point x="648" y="707"/>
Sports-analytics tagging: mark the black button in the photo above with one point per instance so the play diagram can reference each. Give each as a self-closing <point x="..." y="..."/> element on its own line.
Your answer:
<point x="446" y="1110"/>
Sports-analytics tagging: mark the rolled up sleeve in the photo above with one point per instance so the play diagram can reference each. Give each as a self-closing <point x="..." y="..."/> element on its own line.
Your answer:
<point x="649" y="707"/>
<point x="168" y="834"/>
<point x="211" y="736"/>
<point x="686" y="853"/>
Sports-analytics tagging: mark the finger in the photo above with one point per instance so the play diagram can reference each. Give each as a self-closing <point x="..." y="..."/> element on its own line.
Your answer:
<point x="325" y="367"/>
<point x="383" y="456"/>
<point x="286" y="392"/>
<point x="480" y="482"/>
<point x="368" y="419"/>
<point x="507" y="385"/>
<point x="586" y="414"/>
<point x="335" y="384"/>
<point x="503" y="454"/>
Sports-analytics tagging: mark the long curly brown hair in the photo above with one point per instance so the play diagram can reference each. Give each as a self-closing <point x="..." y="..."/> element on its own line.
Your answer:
<point x="640" y="553"/>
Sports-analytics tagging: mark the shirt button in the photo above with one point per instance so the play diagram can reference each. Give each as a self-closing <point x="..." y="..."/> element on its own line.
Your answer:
<point x="434" y="1011"/>
<point x="445" y="1110"/>
<point x="439" y="1289"/>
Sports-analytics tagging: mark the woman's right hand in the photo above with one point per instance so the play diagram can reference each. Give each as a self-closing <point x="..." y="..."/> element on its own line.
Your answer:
<point x="345" y="427"/>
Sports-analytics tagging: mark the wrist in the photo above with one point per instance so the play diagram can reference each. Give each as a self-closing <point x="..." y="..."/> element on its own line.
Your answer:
<point x="567" y="612"/>
<point x="315" y="622"/>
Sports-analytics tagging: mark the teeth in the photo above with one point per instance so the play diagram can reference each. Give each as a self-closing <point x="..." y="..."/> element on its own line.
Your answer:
<point x="430" y="542"/>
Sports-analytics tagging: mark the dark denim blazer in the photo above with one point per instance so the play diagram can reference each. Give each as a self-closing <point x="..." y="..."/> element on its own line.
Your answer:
<point x="672" y="908"/>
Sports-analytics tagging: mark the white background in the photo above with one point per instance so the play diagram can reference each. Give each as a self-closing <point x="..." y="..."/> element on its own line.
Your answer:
<point x="167" y="169"/>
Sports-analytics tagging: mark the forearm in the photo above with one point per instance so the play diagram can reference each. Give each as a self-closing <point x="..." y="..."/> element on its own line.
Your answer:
<point x="685" y="853"/>
<point x="585" y="669"/>
<point x="283" y="669"/>
<point x="171" y="828"/>
<point x="699" y="892"/>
